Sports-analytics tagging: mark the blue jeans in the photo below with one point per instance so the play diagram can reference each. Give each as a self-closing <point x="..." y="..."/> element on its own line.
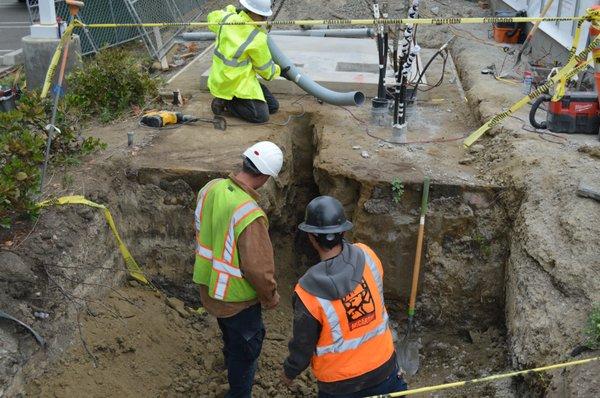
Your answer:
<point x="393" y="383"/>
<point x="243" y="336"/>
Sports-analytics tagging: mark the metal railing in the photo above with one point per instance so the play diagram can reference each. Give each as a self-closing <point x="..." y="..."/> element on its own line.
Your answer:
<point x="157" y="41"/>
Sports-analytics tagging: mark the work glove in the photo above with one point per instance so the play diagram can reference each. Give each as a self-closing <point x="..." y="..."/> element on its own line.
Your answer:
<point x="284" y="73"/>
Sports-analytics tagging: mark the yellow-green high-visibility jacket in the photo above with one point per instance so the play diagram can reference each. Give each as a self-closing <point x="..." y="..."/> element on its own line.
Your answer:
<point x="223" y="211"/>
<point x="241" y="52"/>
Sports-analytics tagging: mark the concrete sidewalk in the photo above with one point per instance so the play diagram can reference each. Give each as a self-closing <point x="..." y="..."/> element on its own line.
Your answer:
<point x="14" y="24"/>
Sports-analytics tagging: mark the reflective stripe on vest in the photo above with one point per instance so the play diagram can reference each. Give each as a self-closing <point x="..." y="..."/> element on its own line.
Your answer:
<point x="201" y="250"/>
<point x="234" y="63"/>
<point x="339" y="343"/>
<point x="222" y="265"/>
<point x="270" y="64"/>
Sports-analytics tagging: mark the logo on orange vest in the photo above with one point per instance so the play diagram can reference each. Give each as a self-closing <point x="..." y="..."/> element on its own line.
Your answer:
<point x="359" y="306"/>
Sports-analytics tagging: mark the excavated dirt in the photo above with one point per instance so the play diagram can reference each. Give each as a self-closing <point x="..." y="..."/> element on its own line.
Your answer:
<point x="511" y="253"/>
<point x="145" y="342"/>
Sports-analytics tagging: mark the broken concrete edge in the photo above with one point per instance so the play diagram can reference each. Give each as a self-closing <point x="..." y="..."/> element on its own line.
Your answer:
<point x="12" y="58"/>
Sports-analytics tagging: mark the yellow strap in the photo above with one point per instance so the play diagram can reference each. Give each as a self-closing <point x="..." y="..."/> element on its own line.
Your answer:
<point x="55" y="58"/>
<point x="368" y="22"/>
<point x="487" y="379"/>
<point x="573" y="67"/>
<point x="561" y="88"/>
<point x="134" y="269"/>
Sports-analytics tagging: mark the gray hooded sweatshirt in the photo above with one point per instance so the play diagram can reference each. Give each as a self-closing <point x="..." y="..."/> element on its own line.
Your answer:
<point x="331" y="279"/>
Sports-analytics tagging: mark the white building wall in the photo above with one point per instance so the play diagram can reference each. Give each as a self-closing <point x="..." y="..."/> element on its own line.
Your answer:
<point x="562" y="32"/>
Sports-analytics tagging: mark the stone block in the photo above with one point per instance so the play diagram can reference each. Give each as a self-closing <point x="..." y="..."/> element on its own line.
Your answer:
<point x="37" y="54"/>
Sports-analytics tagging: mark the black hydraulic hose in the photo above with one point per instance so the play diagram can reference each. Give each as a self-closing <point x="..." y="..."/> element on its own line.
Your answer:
<point x="400" y="92"/>
<point x="534" y="107"/>
<point x="383" y="71"/>
<point x="414" y="93"/>
<point x="382" y="64"/>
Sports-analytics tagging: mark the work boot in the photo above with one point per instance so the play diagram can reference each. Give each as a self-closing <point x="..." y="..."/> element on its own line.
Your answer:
<point x="218" y="106"/>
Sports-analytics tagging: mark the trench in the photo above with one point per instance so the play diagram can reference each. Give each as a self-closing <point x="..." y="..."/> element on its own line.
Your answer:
<point x="460" y="306"/>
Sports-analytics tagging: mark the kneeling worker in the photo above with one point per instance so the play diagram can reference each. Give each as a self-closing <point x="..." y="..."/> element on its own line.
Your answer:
<point x="241" y="52"/>
<point x="234" y="261"/>
<point x="340" y="320"/>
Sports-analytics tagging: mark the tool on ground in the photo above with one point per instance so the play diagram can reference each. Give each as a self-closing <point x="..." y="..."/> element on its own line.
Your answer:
<point x="408" y="348"/>
<point x="161" y="119"/>
<point x="532" y="32"/>
<point x="37" y="336"/>
<point x="574" y="113"/>
<point x="509" y="32"/>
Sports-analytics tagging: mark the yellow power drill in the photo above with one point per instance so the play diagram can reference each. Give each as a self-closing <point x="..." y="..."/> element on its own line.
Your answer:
<point x="164" y="118"/>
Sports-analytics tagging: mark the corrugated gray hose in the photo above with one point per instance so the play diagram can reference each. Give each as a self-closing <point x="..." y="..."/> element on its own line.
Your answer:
<point x="354" y="98"/>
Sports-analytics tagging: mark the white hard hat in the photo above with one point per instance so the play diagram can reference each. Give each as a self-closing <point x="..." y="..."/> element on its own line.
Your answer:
<point x="266" y="156"/>
<point x="260" y="7"/>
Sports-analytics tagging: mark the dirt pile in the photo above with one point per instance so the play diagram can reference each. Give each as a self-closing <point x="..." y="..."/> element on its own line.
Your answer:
<point x="144" y="344"/>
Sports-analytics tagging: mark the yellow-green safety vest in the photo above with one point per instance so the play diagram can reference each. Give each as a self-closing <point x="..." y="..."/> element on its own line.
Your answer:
<point x="241" y="52"/>
<point x="223" y="211"/>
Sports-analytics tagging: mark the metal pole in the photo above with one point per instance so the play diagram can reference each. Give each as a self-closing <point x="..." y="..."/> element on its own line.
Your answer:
<point x="47" y="28"/>
<point x="51" y="127"/>
<point x="47" y="12"/>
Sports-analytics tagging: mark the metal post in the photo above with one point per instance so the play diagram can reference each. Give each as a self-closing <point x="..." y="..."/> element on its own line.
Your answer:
<point x="47" y="28"/>
<point x="159" y="52"/>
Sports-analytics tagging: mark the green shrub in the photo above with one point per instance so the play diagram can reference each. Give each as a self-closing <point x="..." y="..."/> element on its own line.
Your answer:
<point x="22" y="145"/>
<point x="109" y="84"/>
<point x="592" y="330"/>
<point x="397" y="190"/>
<point x="21" y="153"/>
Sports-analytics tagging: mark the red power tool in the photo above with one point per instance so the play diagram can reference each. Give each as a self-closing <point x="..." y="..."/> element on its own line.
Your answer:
<point x="574" y="113"/>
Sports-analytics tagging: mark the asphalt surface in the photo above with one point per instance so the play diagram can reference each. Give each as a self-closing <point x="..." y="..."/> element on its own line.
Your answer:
<point x="14" y="24"/>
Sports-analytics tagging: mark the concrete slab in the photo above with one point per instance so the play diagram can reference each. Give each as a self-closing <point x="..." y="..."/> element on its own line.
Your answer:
<point x="12" y="58"/>
<point x="337" y="63"/>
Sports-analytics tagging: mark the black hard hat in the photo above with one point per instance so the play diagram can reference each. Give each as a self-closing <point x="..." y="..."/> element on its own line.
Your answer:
<point x="325" y="215"/>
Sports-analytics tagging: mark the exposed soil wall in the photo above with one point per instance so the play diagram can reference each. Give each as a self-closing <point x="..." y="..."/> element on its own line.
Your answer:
<point x="554" y="265"/>
<point x="154" y="211"/>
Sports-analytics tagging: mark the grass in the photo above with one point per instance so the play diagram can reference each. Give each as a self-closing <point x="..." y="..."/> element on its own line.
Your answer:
<point x="592" y="329"/>
<point x="397" y="190"/>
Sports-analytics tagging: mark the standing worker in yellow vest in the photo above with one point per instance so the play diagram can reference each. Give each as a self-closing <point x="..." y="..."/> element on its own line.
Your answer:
<point x="241" y="52"/>
<point x="340" y="319"/>
<point x="234" y="261"/>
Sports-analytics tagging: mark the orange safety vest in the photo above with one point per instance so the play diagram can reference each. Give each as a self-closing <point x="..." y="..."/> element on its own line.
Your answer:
<point x="355" y="336"/>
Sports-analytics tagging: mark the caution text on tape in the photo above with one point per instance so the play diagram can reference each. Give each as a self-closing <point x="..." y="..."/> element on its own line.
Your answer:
<point x="574" y="66"/>
<point x="368" y="22"/>
<point x="55" y="58"/>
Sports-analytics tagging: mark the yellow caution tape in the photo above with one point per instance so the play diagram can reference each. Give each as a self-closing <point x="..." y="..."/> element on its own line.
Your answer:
<point x="486" y="379"/>
<point x="134" y="269"/>
<point x="368" y="22"/>
<point x="55" y="58"/>
<point x="574" y="66"/>
<point x="561" y="87"/>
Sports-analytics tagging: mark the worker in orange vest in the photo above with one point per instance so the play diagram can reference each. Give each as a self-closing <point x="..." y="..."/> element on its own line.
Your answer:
<point x="341" y="325"/>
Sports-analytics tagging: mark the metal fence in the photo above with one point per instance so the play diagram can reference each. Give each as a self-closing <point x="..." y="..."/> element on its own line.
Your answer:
<point x="157" y="41"/>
